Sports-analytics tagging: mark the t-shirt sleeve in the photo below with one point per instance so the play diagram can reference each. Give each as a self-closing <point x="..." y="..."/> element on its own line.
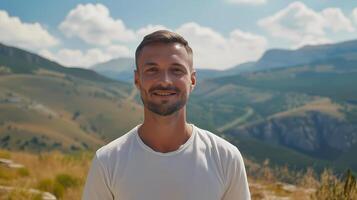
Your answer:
<point x="237" y="183"/>
<point x="97" y="186"/>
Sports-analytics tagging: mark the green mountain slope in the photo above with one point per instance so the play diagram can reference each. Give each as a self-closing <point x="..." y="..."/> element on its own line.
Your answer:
<point x="309" y="108"/>
<point x="46" y="106"/>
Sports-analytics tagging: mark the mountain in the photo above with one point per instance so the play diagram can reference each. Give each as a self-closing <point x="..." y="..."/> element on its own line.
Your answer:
<point x="45" y="106"/>
<point x="277" y="58"/>
<point x="307" y="54"/>
<point x="309" y="108"/>
<point x="23" y="62"/>
<point x="117" y="69"/>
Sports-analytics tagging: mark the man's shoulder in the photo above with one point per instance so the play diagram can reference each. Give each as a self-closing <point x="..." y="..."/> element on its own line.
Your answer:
<point x="117" y="146"/>
<point x="218" y="144"/>
<point x="227" y="156"/>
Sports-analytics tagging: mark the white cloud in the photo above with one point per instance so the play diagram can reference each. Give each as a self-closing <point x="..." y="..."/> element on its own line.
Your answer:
<point x="250" y="2"/>
<point x="25" y="35"/>
<point x="77" y="58"/>
<point x="354" y="15"/>
<point x="93" y="24"/>
<point x="118" y="51"/>
<point x="212" y="50"/>
<point x="302" y="25"/>
<point x="336" y="20"/>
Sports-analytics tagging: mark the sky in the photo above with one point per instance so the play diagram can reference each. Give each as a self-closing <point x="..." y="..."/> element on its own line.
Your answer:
<point x="222" y="33"/>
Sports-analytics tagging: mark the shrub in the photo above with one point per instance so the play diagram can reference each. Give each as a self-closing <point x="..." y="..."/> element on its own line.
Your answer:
<point x="51" y="186"/>
<point x="23" y="172"/>
<point x="59" y="184"/>
<point x="45" y="185"/>
<point x="66" y="180"/>
<point x="58" y="190"/>
<point x="5" y="154"/>
<point x="7" y="174"/>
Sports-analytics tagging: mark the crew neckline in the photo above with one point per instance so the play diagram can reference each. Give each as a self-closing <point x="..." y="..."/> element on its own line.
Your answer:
<point x="171" y="153"/>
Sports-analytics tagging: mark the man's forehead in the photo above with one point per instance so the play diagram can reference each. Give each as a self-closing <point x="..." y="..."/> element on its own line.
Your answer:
<point x="161" y="45"/>
<point x="171" y="50"/>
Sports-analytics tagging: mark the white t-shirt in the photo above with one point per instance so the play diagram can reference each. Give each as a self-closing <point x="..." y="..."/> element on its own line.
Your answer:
<point x="206" y="167"/>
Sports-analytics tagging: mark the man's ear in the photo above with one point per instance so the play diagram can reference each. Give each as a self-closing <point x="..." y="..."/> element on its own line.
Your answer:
<point x="136" y="78"/>
<point x="193" y="79"/>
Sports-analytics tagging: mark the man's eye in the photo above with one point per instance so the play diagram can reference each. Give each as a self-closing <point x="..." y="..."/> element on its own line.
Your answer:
<point x="178" y="71"/>
<point x="151" y="70"/>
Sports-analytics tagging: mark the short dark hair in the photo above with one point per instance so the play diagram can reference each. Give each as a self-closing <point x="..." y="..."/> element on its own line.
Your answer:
<point x="163" y="36"/>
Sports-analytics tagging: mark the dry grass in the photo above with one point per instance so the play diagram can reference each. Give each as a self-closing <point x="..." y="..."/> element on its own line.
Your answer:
<point x="268" y="182"/>
<point x="60" y="174"/>
<point x="332" y="187"/>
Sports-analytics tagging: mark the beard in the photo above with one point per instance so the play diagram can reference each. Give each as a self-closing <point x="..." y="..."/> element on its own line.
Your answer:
<point x="164" y="108"/>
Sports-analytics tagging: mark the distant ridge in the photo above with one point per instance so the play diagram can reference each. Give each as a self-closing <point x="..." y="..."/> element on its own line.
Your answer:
<point x="278" y="58"/>
<point x="121" y="69"/>
<point x="24" y="62"/>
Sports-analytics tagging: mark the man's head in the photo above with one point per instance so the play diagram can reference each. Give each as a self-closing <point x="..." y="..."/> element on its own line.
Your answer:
<point x="164" y="73"/>
<point x="165" y="37"/>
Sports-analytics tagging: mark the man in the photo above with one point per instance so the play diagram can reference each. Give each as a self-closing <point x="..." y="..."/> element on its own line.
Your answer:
<point x="165" y="158"/>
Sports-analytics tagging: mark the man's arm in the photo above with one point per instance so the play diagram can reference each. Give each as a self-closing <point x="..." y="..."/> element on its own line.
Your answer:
<point x="237" y="183"/>
<point x="97" y="186"/>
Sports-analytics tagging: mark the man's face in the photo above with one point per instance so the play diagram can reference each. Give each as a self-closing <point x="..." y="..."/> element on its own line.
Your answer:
<point x="164" y="77"/>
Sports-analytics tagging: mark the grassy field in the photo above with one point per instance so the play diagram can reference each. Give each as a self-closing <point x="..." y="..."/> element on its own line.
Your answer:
<point x="60" y="174"/>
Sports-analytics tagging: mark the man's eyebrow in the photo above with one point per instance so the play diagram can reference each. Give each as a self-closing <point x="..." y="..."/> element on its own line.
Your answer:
<point x="178" y="64"/>
<point x="150" y="64"/>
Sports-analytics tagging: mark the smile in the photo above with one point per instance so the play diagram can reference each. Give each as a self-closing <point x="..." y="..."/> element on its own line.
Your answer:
<point x="164" y="93"/>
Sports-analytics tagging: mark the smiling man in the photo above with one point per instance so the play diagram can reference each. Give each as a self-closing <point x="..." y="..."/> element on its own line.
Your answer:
<point x="166" y="158"/>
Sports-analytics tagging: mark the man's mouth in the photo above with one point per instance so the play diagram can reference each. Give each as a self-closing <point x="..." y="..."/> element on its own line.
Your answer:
<point x="164" y="93"/>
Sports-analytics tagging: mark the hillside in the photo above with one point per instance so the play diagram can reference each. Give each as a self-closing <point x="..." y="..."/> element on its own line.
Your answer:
<point x="309" y="108"/>
<point x="45" y="106"/>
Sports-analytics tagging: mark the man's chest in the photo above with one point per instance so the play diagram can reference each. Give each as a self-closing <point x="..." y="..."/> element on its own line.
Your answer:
<point x="168" y="179"/>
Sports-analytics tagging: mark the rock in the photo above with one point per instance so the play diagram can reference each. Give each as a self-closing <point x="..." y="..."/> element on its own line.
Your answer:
<point x="314" y="133"/>
<point x="45" y="195"/>
<point x="6" y="162"/>
<point x="10" y="164"/>
<point x="288" y="187"/>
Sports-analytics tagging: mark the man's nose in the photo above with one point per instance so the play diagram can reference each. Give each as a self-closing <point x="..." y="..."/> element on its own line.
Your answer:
<point x="165" y="78"/>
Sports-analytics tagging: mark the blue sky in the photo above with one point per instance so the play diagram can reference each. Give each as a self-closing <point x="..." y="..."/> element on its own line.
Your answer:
<point x="223" y="33"/>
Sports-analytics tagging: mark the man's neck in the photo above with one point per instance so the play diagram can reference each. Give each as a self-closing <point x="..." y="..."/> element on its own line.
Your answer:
<point x="165" y="133"/>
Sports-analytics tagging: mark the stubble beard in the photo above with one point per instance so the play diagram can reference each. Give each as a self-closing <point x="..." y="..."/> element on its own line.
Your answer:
<point x="164" y="108"/>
